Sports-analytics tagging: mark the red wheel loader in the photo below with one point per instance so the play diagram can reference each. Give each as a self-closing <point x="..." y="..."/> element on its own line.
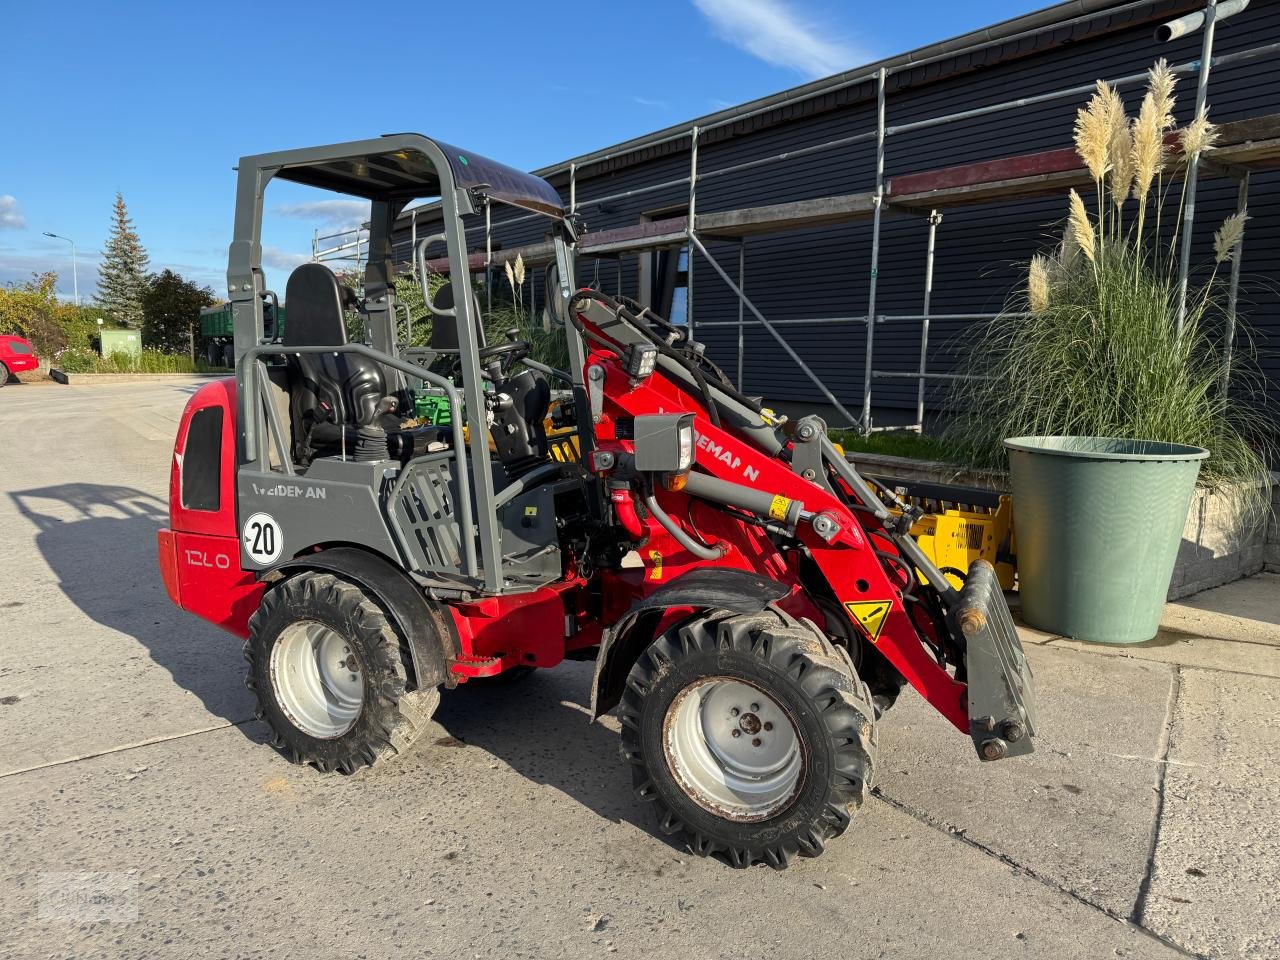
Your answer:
<point x="752" y="604"/>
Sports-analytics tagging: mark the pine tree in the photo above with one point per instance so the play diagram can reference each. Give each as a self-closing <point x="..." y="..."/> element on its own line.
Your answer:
<point x="122" y="278"/>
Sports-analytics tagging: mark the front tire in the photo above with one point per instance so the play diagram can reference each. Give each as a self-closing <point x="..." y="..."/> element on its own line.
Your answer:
<point x="751" y="734"/>
<point x="4" y="374"/>
<point x="329" y="670"/>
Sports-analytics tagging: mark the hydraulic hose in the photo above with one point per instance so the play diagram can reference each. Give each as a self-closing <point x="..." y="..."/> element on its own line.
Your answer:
<point x="688" y="543"/>
<point x="624" y="508"/>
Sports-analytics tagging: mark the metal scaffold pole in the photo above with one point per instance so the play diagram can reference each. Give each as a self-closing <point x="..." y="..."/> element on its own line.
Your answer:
<point x="1193" y="164"/>
<point x="742" y="285"/>
<point x="693" y="196"/>
<point x="1233" y="289"/>
<point x="935" y="218"/>
<point x="878" y="202"/>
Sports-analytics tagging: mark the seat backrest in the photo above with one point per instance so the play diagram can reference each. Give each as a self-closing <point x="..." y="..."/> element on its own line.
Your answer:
<point x="444" y="330"/>
<point x="350" y="386"/>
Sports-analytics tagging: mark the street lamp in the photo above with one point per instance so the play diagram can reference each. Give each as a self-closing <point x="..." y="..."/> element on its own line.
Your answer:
<point x="75" y="279"/>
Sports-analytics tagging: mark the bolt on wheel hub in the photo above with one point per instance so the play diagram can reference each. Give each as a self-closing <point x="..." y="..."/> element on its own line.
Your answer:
<point x="733" y="749"/>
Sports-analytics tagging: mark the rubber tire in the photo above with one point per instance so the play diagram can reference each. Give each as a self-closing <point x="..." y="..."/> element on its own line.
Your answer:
<point x="794" y="663"/>
<point x="4" y="375"/>
<point x="391" y="717"/>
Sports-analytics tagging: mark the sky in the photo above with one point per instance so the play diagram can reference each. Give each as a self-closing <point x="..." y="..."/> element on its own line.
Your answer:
<point x="159" y="100"/>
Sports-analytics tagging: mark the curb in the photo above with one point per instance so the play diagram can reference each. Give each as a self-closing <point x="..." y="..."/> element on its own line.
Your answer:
<point x="61" y="376"/>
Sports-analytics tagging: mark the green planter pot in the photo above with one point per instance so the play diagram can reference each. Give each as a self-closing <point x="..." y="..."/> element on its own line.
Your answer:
<point x="1098" y="522"/>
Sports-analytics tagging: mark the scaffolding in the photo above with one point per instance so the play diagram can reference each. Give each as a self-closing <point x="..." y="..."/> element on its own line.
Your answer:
<point x="1243" y="146"/>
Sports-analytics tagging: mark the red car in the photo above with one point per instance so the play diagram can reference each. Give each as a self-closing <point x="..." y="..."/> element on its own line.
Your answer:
<point x="16" y="355"/>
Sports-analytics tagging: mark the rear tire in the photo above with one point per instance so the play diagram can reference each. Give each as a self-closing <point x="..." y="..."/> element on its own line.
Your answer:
<point x="801" y="762"/>
<point x="331" y="675"/>
<point x="4" y="374"/>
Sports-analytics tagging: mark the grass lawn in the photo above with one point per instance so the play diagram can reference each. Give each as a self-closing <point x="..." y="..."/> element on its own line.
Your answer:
<point x="897" y="443"/>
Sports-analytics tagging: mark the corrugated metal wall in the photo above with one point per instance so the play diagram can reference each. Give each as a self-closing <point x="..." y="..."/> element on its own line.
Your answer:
<point x="981" y="249"/>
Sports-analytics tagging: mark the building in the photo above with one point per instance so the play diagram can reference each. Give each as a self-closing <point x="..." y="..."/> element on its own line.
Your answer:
<point x="786" y="188"/>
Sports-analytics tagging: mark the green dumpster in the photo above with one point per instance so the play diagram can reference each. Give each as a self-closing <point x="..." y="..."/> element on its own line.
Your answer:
<point x="1098" y="522"/>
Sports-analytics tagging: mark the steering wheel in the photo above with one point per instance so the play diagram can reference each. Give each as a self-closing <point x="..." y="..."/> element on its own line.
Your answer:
<point x="505" y="355"/>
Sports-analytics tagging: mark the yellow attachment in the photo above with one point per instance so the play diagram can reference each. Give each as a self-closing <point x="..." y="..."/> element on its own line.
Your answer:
<point x="956" y="538"/>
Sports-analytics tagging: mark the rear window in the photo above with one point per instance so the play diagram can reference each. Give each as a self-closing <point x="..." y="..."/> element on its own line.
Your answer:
<point x="19" y="346"/>
<point x="202" y="461"/>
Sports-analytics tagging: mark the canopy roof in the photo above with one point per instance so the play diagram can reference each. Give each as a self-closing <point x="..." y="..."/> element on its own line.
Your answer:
<point x="405" y="166"/>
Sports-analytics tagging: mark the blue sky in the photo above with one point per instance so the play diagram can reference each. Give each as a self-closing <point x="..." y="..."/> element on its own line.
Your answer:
<point x="159" y="100"/>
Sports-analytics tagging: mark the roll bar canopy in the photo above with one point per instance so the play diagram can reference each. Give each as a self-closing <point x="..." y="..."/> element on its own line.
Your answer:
<point x="406" y="166"/>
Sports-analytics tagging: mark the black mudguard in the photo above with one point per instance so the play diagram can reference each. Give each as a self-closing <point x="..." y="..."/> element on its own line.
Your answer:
<point x="428" y="629"/>
<point x="737" y="591"/>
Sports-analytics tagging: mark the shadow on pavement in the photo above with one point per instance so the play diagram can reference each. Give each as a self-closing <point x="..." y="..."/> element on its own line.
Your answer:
<point x="100" y="541"/>
<point x="537" y="727"/>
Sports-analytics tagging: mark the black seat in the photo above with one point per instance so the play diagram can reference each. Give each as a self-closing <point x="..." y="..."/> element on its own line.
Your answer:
<point x="329" y="392"/>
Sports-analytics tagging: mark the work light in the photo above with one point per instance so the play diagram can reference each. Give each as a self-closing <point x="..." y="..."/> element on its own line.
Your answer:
<point x="641" y="360"/>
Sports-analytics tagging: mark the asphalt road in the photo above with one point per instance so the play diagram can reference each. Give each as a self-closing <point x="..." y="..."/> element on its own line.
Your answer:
<point x="136" y="789"/>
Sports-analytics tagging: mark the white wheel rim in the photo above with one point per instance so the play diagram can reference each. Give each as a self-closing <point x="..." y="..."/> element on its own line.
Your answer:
<point x="317" y="679"/>
<point x="733" y="749"/>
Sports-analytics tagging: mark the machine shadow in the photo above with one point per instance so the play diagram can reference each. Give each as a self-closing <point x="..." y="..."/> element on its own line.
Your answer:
<point x="538" y="727"/>
<point x="100" y="542"/>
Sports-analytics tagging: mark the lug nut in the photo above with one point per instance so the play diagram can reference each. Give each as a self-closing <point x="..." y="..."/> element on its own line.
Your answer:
<point x="768" y="725"/>
<point x="1012" y="731"/>
<point x="755" y="742"/>
<point x="735" y="732"/>
<point x="755" y="708"/>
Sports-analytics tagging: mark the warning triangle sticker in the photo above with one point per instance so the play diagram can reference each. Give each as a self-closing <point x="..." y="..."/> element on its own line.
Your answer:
<point x="871" y="614"/>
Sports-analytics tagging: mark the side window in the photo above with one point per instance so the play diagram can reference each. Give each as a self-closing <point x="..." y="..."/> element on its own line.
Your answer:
<point x="202" y="461"/>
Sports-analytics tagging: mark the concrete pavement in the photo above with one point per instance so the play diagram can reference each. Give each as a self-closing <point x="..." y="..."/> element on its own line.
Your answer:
<point x="1144" y="825"/>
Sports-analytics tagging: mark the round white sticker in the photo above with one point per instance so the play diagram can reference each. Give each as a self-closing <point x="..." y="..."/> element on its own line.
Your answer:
<point x="262" y="538"/>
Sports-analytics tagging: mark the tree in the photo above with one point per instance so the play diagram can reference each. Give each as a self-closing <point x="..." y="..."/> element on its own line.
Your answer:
<point x="122" y="278"/>
<point x="171" y="312"/>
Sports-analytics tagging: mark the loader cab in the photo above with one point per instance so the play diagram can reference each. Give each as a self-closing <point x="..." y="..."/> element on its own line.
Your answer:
<point x="328" y="446"/>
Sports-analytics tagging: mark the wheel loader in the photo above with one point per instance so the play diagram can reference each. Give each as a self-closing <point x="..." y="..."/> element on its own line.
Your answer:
<point x="751" y="603"/>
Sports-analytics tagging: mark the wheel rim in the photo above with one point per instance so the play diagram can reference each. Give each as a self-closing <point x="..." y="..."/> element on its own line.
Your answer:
<point x="317" y="678"/>
<point x="747" y="775"/>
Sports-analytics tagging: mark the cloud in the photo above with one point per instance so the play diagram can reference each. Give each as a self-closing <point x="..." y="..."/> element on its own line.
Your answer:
<point x="778" y="34"/>
<point x="11" y="217"/>
<point x="18" y="266"/>
<point x="340" y="214"/>
<point x="282" y="259"/>
<point x="646" y="102"/>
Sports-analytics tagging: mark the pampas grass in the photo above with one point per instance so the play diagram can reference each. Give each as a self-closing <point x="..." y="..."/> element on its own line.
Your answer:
<point x="1092" y="345"/>
<point x="1038" y="285"/>
<point x="1227" y="239"/>
<point x="1082" y="231"/>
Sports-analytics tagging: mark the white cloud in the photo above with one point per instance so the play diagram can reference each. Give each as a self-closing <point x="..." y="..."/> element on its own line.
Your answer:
<point x="778" y="34"/>
<point x="282" y="259"/>
<point x="647" y="102"/>
<point x="11" y="217"/>
<point x="340" y="214"/>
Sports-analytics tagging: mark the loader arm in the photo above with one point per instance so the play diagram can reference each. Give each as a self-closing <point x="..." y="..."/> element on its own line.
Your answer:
<point x="801" y="497"/>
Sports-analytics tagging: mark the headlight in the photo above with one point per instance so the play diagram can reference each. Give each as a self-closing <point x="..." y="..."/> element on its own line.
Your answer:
<point x="686" y="447"/>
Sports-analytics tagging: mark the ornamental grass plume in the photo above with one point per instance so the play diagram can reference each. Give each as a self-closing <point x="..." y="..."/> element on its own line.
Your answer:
<point x="1082" y="231"/>
<point x="1200" y="135"/>
<point x="1093" y="132"/>
<point x="1147" y="152"/>
<point x="1119" y="153"/>
<point x="1227" y="239"/>
<point x="1160" y="84"/>
<point x="1038" y="285"/>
